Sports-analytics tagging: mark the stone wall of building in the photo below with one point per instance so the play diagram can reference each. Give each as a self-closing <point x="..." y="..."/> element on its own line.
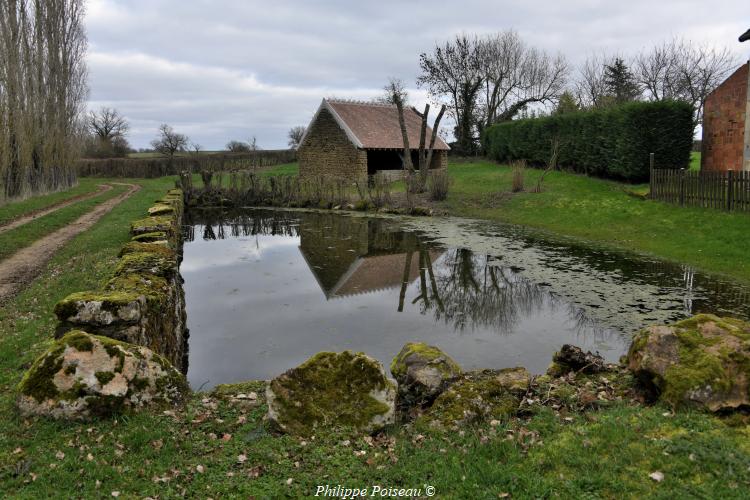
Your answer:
<point x="328" y="151"/>
<point x="726" y="124"/>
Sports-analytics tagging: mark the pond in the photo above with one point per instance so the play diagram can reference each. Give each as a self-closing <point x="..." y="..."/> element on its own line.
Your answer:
<point x="266" y="289"/>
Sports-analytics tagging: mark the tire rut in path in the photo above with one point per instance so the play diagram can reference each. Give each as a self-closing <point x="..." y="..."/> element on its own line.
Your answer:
<point x="26" y="218"/>
<point x="19" y="269"/>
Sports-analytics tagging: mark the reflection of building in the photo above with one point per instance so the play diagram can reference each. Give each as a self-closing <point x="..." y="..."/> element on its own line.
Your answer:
<point x="349" y="256"/>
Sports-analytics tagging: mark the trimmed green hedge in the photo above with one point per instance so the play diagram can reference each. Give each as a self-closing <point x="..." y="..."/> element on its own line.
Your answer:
<point x="613" y="143"/>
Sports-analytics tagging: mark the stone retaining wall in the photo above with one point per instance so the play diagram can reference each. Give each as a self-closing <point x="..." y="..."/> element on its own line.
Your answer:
<point x="144" y="302"/>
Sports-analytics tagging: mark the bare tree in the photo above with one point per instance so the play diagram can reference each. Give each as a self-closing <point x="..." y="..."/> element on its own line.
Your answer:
<point x="237" y="147"/>
<point x="253" y="144"/>
<point x="590" y="86"/>
<point x="680" y="69"/>
<point x="515" y="75"/>
<point x="396" y="94"/>
<point x="295" y="136"/>
<point x="452" y="71"/>
<point x="107" y="123"/>
<point x="169" y="142"/>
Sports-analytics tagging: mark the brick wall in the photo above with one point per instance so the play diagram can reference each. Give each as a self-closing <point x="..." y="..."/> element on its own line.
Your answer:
<point x="327" y="151"/>
<point x="725" y="123"/>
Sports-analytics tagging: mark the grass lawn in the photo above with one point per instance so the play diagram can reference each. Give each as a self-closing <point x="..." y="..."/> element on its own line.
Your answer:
<point x="220" y="447"/>
<point x="695" y="160"/>
<point x="14" y="209"/>
<point x="23" y="236"/>
<point x="601" y="211"/>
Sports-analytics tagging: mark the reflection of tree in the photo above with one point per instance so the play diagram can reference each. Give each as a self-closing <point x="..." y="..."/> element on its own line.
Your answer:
<point x="240" y="224"/>
<point x="469" y="291"/>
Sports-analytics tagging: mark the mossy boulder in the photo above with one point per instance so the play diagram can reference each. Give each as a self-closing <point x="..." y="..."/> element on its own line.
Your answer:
<point x="155" y="236"/>
<point x="703" y="361"/>
<point x="422" y="372"/>
<point x="160" y="247"/>
<point x="479" y="396"/>
<point x="332" y="391"/>
<point x="83" y="376"/>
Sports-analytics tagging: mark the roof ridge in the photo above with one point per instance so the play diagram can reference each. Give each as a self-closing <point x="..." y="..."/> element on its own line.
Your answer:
<point x="359" y="102"/>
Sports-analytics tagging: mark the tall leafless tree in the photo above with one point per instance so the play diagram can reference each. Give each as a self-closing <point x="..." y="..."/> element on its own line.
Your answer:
<point x="169" y="142"/>
<point x="395" y="93"/>
<point x="42" y="91"/>
<point x="515" y="75"/>
<point x="590" y="86"/>
<point x="683" y="70"/>
<point x="452" y="74"/>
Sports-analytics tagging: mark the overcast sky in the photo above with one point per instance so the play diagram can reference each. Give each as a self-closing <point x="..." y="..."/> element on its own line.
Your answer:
<point x="220" y="70"/>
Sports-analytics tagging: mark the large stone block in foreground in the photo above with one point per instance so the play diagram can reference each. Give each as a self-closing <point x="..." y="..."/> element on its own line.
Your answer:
<point x="82" y="376"/>
<point x="332" y="391"/>
<point x="703" y="361"/>
<point x="422" y="372"/>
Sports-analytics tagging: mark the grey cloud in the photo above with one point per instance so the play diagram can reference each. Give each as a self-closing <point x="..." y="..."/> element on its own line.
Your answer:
<point x="221" y="70"/>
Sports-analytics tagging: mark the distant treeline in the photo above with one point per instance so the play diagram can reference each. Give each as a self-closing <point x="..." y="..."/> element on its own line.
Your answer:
<point x="42" y="93"/>
<point x="161" y="166"/>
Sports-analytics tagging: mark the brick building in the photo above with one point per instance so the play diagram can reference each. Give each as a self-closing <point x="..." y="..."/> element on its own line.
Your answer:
<point x="726" y="124"/>
<point x="351" y="139"/>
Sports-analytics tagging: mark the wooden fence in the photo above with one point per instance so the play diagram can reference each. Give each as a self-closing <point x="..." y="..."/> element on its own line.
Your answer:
<point x="729" y="190"/>
<point x="161" y="166"/>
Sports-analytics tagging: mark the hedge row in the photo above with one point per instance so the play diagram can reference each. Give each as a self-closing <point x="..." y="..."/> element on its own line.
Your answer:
<point x="613" y="143"/>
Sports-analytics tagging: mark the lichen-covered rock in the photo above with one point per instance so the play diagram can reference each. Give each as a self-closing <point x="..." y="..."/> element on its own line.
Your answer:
<point x="702" y="361"/>
<point x="82" y="376"/>
<point x="573" y="359"/>
<point x="422" y="372"/>
<point x="332" y="391"/>
<point x="479" y="396"/>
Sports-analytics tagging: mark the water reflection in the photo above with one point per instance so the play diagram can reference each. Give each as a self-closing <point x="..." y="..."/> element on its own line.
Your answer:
<point x="351" y="256"/>
<point x="267" y="289"/>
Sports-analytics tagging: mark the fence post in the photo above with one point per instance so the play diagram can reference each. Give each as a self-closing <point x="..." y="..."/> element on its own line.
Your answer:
<point x="682" y="187"/>
<point x="730" y="189"/>
<point x="651" y="175"/>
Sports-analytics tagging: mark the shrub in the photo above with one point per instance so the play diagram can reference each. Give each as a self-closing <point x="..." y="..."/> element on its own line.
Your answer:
<point x="439" y="184"/>
<point x="613" y="143"/>
<point x="518" y="168"/>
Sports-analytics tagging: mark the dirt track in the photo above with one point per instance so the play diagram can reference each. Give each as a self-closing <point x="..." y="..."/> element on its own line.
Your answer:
<point x="26" y="218"/>
<point x="23" y="266"/>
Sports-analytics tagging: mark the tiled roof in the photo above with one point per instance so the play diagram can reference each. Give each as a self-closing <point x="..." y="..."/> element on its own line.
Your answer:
<point x="375" y="126"/>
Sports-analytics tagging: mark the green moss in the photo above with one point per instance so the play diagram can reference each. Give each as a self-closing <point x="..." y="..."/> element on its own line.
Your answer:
<point x="37" y="382"/>
<point x="163" y="223"/>
<point x="330" y="389"/>
<point x="147" y="262"/>
<point x="256" y="386"/>
<point x="475" y="397"/>
<point x="81" y="341"/>
<point x="161" y="209"/>
<point x="154" y="288"/>
<point x="698" y="368"/>
<point x="159" y="247"/>
<point x="140" y="383"/>
<point x="151" y="237"/>
<point x="430" y="354"/>
<point x="104" y="377"/>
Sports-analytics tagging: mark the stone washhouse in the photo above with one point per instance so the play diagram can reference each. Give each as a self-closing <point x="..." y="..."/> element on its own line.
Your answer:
<point x="351" y="139"/>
